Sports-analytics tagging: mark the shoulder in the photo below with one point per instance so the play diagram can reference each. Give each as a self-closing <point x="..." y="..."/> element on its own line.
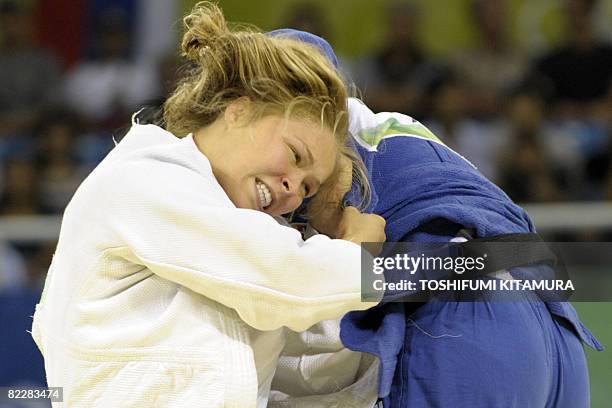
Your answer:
<point x="371" y="130"/>
<point x="152" y="164"/>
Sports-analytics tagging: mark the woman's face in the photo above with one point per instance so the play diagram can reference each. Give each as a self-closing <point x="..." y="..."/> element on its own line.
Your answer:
<point x="270" y="165"/>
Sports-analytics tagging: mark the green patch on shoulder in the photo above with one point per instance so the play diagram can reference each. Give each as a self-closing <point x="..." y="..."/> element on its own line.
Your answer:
<point x="393" y="127"/>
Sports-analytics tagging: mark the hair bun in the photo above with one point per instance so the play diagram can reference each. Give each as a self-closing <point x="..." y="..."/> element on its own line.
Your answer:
<point x="203" y="27"/>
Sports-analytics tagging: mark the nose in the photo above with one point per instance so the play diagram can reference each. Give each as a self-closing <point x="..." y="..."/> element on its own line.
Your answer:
<point x="290" y="184"/>
<point x="291" y="187"/>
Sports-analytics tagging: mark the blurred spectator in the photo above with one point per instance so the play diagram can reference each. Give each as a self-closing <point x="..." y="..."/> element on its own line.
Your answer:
<point x="479" y="142"/>
<point x="581" y="70"/>
<point x="395" y="77"/>
<point x="599" y="166"/>
<point x="39" y="258"/>
<point x="24" y="265"/>
<point x="167" y="75"/>
<point x="106" y="89"/>
<point x="60" y="172"/>
<point x="598" y="171"/>
<point x="494" y="66"/>
<point x="608" y="186"/>
<point x="307" y="16"/>
<point x="580" y="73"/>
<point x="21" y="194"/>
<point x="29" y="73"/>
<point x="525" y="176"/>
<point x="527" y="172"/>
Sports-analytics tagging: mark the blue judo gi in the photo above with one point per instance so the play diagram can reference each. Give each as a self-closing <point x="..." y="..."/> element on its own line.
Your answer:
<point x="520" y="354"/>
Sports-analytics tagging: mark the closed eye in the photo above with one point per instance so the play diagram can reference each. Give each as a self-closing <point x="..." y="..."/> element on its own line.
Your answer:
<point x="296" y="155"/>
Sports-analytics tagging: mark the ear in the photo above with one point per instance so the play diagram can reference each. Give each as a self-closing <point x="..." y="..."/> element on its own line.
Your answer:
<point x="237" y="111"/>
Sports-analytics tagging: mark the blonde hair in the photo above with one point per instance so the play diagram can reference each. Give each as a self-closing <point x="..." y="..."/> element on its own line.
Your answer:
<point x="277" y="74"/>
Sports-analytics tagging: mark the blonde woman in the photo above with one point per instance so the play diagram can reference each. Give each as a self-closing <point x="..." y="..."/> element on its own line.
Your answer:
<point x="172" y="282"/>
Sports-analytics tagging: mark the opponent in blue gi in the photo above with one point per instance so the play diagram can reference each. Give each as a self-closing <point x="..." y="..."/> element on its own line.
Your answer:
<point x="524" y="353"/>
<point x="455" y="354"/>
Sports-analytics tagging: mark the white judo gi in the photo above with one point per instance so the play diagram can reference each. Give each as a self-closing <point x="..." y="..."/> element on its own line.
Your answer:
<point x="163" y="293"/>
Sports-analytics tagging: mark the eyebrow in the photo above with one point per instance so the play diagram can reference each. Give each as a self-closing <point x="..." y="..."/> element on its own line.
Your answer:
<point x="310" y="159"/>
<point x="308" y="152"/>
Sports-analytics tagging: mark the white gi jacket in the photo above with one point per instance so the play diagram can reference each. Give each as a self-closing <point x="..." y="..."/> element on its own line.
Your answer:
<point x="315" y="370"/>
<point x="160" y="287"/>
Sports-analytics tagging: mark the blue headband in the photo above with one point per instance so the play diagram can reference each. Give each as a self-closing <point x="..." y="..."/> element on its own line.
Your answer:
<point x="309" y="38"/>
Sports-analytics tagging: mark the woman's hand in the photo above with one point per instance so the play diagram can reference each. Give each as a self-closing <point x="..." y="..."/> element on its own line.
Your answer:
<point x="352" y="225"/>
<point x="358" y="227"/>
<point x="347" y="223"/>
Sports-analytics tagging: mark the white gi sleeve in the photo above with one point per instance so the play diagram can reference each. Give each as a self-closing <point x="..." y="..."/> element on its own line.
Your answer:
<point x="173" y="222"/>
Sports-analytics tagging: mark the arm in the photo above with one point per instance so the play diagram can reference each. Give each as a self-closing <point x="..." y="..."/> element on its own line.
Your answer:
<point x="172" y="221"/>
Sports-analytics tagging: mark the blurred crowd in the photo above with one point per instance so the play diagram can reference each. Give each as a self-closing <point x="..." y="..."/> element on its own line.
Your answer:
<point x="540" y="126"/>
